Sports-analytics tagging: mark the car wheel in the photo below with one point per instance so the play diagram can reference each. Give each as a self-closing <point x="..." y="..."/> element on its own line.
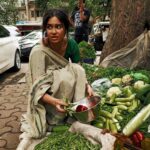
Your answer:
<point x="17" y="64"/>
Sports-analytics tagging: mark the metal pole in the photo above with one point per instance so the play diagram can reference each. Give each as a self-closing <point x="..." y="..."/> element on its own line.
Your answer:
<point x="27" y="9"/>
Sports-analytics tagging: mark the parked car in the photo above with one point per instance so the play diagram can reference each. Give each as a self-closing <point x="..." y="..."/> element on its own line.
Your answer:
<point x="9" y="51"/>
<point x="28" y="42"/>
<point x="14" y="31"/>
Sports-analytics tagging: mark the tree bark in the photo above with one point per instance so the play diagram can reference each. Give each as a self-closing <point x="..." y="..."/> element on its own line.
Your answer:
<point x="128" y="19"/>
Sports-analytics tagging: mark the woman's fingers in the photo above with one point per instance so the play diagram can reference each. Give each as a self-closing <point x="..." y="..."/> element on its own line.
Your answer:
<point x="90" y="90"/>
<point x="60" y="105"/>
<point x="60" y="108"/>
<point x="61" y="102"/>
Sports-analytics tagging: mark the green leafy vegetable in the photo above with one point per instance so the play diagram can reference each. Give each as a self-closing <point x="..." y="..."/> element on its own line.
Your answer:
<point x="86" y="50"/>
<point x="66" y="141"/>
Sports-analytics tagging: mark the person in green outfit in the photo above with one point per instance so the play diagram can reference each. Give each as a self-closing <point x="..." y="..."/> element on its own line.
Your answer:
<point x="52" y="79"/>
<point x="55" y="30"/>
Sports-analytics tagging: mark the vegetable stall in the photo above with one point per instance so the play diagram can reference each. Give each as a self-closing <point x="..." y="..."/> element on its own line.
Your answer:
<point x="124" y="110"/>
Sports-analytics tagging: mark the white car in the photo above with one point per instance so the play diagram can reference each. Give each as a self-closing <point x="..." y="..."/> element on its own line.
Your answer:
<point x="9" y="51"/>
<point x="14" y="31"/>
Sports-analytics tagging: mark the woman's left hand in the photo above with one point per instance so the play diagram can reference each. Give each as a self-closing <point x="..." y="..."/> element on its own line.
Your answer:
<point x="89" y="90"/>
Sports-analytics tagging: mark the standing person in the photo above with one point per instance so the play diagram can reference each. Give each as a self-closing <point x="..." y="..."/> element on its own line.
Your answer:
<point x="79" y="19"/>
<point x="53" y="79"/>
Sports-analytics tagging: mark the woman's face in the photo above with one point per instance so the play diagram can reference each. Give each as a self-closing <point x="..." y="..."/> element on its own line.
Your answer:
<point x="55" y="30"/>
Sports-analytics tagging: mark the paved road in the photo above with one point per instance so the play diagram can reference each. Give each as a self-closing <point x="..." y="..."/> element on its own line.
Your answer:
<point x="13" y="103"/>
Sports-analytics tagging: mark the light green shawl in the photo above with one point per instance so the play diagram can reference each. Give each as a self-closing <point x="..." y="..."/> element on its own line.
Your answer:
<point x="49" y="72"/>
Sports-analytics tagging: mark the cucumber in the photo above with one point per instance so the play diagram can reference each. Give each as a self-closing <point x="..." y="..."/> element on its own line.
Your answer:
<point x="60" y="128"/>
<point x="137" y="120"/>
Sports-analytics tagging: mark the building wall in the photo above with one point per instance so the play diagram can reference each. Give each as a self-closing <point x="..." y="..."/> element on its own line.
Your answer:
<point x="28" y="11"/>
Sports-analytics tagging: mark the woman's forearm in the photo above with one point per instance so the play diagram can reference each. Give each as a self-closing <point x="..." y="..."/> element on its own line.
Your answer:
<point x="58" y="103"/>
<point x="49" y="99"/>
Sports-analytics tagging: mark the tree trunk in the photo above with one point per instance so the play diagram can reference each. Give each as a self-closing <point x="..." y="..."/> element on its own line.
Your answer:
<point x="128" y="19"/>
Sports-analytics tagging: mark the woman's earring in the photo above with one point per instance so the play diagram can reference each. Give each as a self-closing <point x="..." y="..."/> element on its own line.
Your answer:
<point x="45" y="34"/>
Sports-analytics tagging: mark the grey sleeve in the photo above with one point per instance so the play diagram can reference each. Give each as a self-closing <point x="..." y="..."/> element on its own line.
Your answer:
<point x="37" y="64"/>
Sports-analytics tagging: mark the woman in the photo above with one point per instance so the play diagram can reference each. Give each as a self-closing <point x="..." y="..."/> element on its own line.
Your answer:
<point x="55" y="29"/>
<point x="52" y="78"/>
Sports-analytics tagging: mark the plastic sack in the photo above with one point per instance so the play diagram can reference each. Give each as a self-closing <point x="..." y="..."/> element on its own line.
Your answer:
<point x="94" y="134"/>
<point x="101" y="85"/>
<point x="135" y="55"/>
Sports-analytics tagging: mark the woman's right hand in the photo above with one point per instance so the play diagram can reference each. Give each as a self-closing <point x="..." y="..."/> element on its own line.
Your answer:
<point x="58" y="103"/>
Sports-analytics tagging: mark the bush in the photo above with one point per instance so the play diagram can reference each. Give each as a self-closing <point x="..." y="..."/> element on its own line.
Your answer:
<point x="86" y="50"/>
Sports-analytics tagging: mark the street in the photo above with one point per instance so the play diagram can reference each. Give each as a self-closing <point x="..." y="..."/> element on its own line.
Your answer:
<point x="13" y="103"/>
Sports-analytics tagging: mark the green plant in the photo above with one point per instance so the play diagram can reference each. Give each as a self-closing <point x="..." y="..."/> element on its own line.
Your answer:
<point x="86" y="50"/>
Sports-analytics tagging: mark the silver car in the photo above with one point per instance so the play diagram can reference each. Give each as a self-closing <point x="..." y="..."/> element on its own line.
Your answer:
<point x="28" y="42"/>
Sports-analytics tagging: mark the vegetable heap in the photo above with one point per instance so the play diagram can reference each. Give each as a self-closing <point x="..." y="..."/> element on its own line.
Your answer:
<point x="66" y="141"/>
<point x="124" y="108"/>
<point x="124" y="94"/>
<point x="125" y="104"/>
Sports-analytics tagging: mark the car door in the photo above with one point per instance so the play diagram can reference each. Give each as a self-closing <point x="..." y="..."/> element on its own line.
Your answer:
<point x="6" y="49"/>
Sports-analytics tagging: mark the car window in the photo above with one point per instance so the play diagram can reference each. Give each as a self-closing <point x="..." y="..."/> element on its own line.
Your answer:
<point x="12" y="29"/>
<point x="3" y="32"/>
<point x="33" y="35"/>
